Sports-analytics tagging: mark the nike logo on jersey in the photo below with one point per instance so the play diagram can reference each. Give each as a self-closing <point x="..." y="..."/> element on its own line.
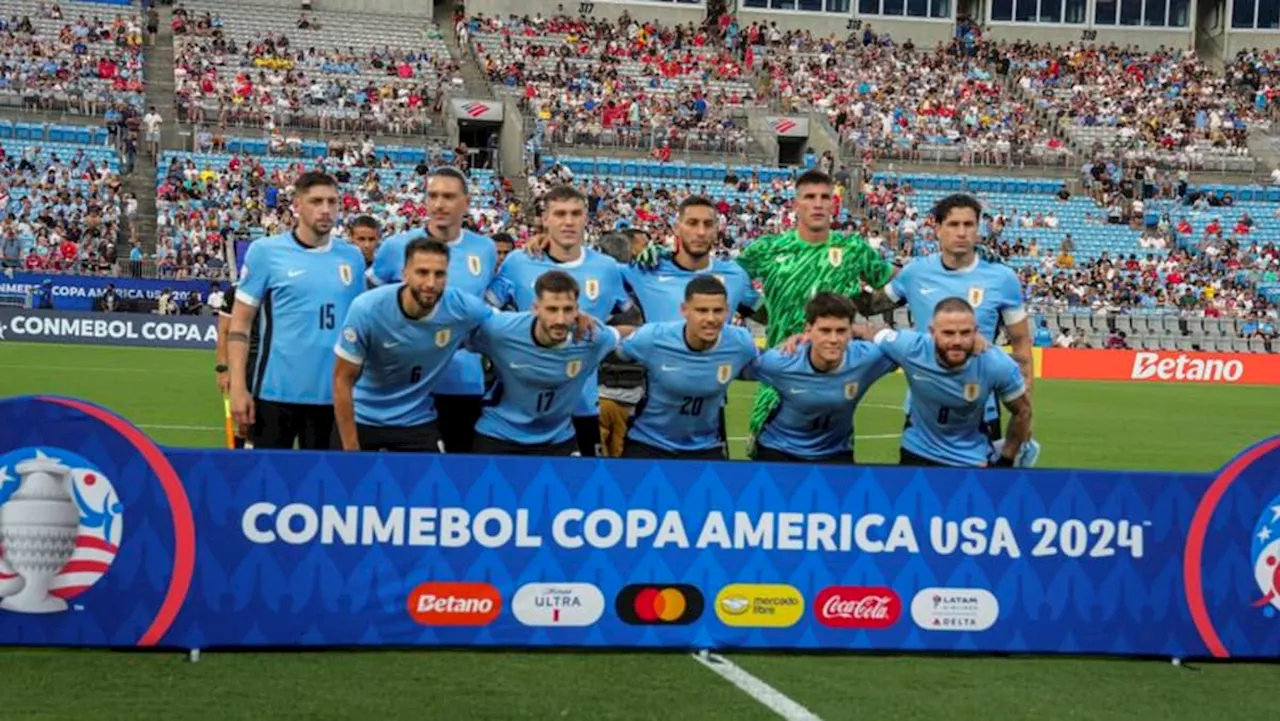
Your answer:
<point x="798" y="391"/>
<point x="927" y="291"/>
<point x="518" y="366"/>
<point x="296" y="273"/>
<point x="665" y="278"/>
<point x="670" y="369"/>
<point x="391" y="344"/>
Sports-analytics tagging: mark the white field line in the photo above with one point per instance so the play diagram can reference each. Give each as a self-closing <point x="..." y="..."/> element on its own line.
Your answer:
<point x="768" y="696"/>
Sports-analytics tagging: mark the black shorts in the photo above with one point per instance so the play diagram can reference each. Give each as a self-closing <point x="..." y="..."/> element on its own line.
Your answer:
<point x="764" y="453"/>
<point x="397" y="439"/>
<point x="587" y="432"/>
<point x="487" y="445"/>
<point x="907" y="458"/>
<point x="990" y="429"/>
<point x="636" y="449"/>
<point x="457" y="416"/>
<point x="282" y="425"/>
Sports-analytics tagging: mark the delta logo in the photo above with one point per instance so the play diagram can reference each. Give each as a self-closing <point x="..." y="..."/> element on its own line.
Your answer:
<point x="759" y="605"/>
<point x="868" y="607"/>
<point x="440" y="603"/>
<point x="675" y="604"/>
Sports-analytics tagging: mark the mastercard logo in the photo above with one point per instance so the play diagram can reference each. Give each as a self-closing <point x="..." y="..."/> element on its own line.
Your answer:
<point x="671" y="604"/>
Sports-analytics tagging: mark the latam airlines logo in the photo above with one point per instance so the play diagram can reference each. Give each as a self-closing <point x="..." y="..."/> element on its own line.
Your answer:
<point x="61" y="523"/>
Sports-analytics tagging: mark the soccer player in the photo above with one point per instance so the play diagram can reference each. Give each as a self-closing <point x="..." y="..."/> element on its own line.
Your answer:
<point x="820" y="386"/>
<point x="690" y="364"/>
<point x="794" y="266"/>
<point x="660" y="292"/>
<point x="949" y="386"/>
<point x="298" y="286"/>
<point x="993" y="289"/>
<point x="542" y="371"/>
<point x="396" y="343"/>
<point x="223" y="355"/>
<point x="366" y="233"/>
<point x="564" y="220"/>
<point x="503" y="244"/>
<point x="473" y="258"/>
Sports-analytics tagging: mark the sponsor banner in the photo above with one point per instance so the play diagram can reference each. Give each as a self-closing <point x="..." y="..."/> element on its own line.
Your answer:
<point x="788" y="127"/>
<point x="80" y="292"/>
<point x="489" y="110"/>
<point x="1162" y="366"/>
<point x="109" y="540"/>
<point x="25" y="325"/>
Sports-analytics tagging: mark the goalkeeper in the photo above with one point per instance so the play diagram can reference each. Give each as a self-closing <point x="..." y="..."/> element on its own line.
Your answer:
<point x="795" y="265"/>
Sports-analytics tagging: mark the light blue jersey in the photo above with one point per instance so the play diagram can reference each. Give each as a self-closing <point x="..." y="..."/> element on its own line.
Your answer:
<point x="992" y="289"/>
<point x="814" y="418"/>
<point x="472" y="260"/>
<point x="538" y="386"/>
<point x="302" y="295"/>
<point x="601" y="294"/>
<point x="660" y="292"/>
<point x="946" y="411"/>
<point x="402" y="358"/>
<point x="685" y="389"/>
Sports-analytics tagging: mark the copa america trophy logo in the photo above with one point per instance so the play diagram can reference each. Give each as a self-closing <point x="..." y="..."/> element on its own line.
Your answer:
<point x="59" y="531"/>
<point x="1265" y="555"/>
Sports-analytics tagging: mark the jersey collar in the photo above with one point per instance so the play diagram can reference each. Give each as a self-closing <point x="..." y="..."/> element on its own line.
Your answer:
<point x="533" y="335"/>
<point x="684" y="336"/>
<point x="967" y="269"/>
<point x="400" y="304"/>
<point x="310" y="249"/>
<point x="582" y="258"/>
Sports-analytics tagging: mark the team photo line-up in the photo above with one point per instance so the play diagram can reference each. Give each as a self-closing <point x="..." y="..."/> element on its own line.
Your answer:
<point x="441" y="340"/>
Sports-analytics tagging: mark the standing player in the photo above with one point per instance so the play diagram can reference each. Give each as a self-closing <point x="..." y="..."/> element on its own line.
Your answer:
<point x="949" y="386"/>
<point x="689" y="365"/>
<point x="396" y="343"/>
<point x="542" y="371"/>
<point x="223" y="355"/>
<point x="564" y="220"/>
<point x="366" y="234"/>
<point x="473" y="259"/>
<point x="820" y="386"/>
<point x="795" y="265"/>
<point x="298" y="286"/>
<point x="956" y="271"/>
<point x="660" y="292"/>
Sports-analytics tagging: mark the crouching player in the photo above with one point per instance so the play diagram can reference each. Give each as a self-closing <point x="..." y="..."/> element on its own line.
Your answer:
<point x="949" y="384"/>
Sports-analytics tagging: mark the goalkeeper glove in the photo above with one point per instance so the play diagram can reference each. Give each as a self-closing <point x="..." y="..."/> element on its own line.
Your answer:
<point x="1027" y="456"/>
<point x="648" y="258"/>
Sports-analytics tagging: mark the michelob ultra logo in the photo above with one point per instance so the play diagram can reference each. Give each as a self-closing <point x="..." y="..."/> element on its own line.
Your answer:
<point x="759" y="605"/>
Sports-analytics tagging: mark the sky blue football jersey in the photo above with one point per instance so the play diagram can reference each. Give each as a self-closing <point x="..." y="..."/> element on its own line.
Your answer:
<point x="946" y="410"/>
<point x="302" y="295"/>
<point x="600" y="294"/>
<point x="538" y="387"/>
<point x="402" y="358"/>
<point x="473" y="259"/>
<point x="660" y="292"/>
<point x="814" y="417"/>
<point x="685" y="389"/>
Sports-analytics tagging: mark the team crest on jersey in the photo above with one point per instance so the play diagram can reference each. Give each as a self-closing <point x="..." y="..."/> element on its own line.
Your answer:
<point x="592" y="288"/>
<point x="724" y="373"/>
<point x="850" y="390"/>
<point x="442" y="337"/>
<point x="975" y="296"/>
<point x="835" y="256"/>
<point x="972" y="391"/>
<point x="344" y="272"/>
<point x="573" y="368"/>
<point x="473" y="264"/>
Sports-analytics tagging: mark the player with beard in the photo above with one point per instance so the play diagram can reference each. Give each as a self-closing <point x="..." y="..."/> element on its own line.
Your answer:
<point x="950" y="383"/>
<point x="298" y="286"/>
<point x="542" y="369"/>
<point x="473" y="259"/>
<point x="564" y="220"/>
<point x="397" y="342"/>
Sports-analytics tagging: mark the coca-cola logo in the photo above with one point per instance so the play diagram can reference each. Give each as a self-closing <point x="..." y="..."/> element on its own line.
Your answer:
<point x="872" y="607"/>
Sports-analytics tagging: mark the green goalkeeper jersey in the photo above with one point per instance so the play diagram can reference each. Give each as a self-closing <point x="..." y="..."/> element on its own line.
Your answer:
<point x="792" y="270"/>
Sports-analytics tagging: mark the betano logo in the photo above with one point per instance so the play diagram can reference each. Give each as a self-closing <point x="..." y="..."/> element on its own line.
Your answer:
<point x="759" y="605"/>
<point x="674" y="604"/>
<point x="448" y="603"/>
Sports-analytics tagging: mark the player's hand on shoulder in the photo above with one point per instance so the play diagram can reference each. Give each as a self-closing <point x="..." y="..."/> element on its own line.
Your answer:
<point x="536" y="246"/>
<point x="864" y="331"/>
<point x="791" y="346"/>
<point x="981" y="345"/>
<point x="584" y="327"/>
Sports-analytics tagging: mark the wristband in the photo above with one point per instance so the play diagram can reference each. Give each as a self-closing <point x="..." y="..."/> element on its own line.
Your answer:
<point x="221" y="368"/>
<point x="1002" y="462"/>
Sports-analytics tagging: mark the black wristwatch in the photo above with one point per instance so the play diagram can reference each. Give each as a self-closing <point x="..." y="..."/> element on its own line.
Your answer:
<point x="220" y="368"/>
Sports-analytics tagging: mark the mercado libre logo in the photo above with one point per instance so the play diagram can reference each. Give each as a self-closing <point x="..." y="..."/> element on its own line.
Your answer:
<point x="64" y="522"/>
<point x="1264" y="542"/>
<point x="61" y="522"/>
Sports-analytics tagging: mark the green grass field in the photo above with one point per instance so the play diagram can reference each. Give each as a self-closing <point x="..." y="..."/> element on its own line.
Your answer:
<point x="171" y="394"/>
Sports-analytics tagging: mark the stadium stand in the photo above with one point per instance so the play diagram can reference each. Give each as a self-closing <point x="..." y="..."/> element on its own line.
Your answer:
<point x="75" y="62"/>
<point x="250" y="65"/>
<point x="61" y="209"/>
